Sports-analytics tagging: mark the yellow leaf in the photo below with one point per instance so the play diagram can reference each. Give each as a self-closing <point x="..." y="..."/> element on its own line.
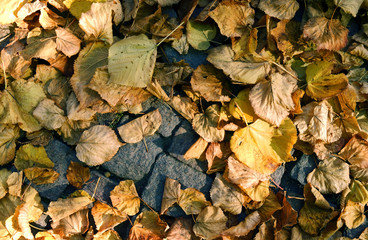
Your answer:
<point x="8" y="136"/>
<point x="148" y="226"/>
<point x="30" y="156"/>
<point x="39" y="175"/>
<point x="240" y="107"/>
<point x="107" y="217"/>
<point x="125" y="198"/>
<point x="192" y="201"/>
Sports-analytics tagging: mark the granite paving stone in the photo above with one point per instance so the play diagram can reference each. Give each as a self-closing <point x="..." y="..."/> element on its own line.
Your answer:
<point x="133" y="161"/>
<point x="303" y="166"/>
<point x="167" y="166"/>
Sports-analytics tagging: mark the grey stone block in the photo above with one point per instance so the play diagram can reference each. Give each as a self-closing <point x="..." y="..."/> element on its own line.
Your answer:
<point x="277" y="175"/>
<point x="303" y="166"/>
<point x="293" y="189"/>
<point x="104" y="187"/>
<point x="167" y="166"/>
<point x="61" y="154"/>
<point x="183" y="138"/>
<point x="194" y="57"/>
<point x="170" y="119"/>
<point x="133" y="161"/>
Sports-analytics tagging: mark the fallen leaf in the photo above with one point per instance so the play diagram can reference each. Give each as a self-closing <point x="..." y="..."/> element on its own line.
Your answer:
<point x="321" y="84"/>
<point x="67" y="42"/>
<point x="355" y="152"/>
<point x="241" y="175"/>
<point x="192" y="201"/>
<point x="132" y="60"/>
<point x="326" y="33"/>
<point x="29" y="156"/>
<point x="355" y="193"/>
<point x="226" y="196"/>
<point x="200" y="34"/>
<point x="38" y="175"/>
<point x="210" y="223"/>
<point x="137" y="129"/>
<point x="8" y="11"/>
<point x="40" y="44"/>
<point x="197" y="149"/>
<point x="216" y="156"/>
<point x="107" y="235"/>
<point x="14" y="182"/>
<point x="241" y="72"/>
<point x="353" y="214"/>
<point x="270" y="205"/>
<point x="286" y="216"/>
<point x="208" y="82"/>
<point x="49" y="115"/>
<point x="62" y="208"/>
<point x="205" y="124"/>
<point x="77" y="174"/>
<point x="148" y="226"/>
<point x="97" y="145"/>
<point x="236" y="23"/>
<point x="97" y="21"/>
<point x="107" y="217"/>
<point x="181" y="229"/>
<point x="240" y="107"/>
<point x="125" y="198"/>
<point x="351" y="7"/>
<point x="171" y="194"/>
<point x="244" y="227"/>
<point x="272" y="99"/>
<point x="9" y="134"/>
<point x="281" y="10"/>
<point x="76" y="223"/>
<point x="259" y="192"/>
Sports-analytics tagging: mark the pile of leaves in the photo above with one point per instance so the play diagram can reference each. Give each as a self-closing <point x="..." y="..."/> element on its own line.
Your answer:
<point x="281" y="76"/>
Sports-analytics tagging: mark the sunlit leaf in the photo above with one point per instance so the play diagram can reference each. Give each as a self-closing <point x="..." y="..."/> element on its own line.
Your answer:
<point x="210" y="222"/>
<point x="355" y="152"/>
<point x="67" y="42"/>
<point x="331" y="176"/>
<point x="141" y="127"/>
<point x="148" y="226"/>
<point x="62" y="208"/>
<point x="197" y="149"/>
<point x="349" y="6"/>
<point x="241" y="72"/>
<point x="205" y="124"/>
<point x="14" y="182"/>
<point x="171" y="194"/>
<point x="107" y="235"/>
<point x="107" y="217"/>
<point x="38" y="175"/>
<point x="41" y="44"/>
<point x="241" y="108"/>
<point x="259" y="192"/>
<point x="353" y="214"/>
<point x="272" y="99"/>
<point x="30" y="156"/>
<point x="76" y="223"/>
<point x="125" y="198"/>
<point x="244" y="227"/>
<point x="49" y="115"/>
<point x="9" y="135"/>
<point x="8" y="11"/>
<point x="192" y="201"/>
<point x="132" y="60"/>
<point x="236" y="23"/>
<point x="97" y="145"/>
<point x="356" y="193"/>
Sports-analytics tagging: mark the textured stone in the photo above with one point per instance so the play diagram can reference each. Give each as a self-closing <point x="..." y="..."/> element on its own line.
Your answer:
<point x="183" y="138"/>
<point x="133" y="161"/>
<point x="293" y="189"/>
<point x="355" y="232"/>
<point x="277" y="175"/>
<point x="170" y="119"/>
<point x="104" y="187"/>
<point x="61" y="154"/>
<point x="303" y="166"/>
<point x="167" y="166"/>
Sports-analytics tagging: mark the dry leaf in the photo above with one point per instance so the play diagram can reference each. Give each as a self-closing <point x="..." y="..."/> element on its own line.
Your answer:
<point x="356" y="152"/>
<point x="210" y="222"/>
<point x="9" y="135"/>
<point x="245" y="226"/>
<point x="353" y="214"/>
<point x="181" y="229"/>
<point x="76" y="223"/>
<point x="49" y="115"/>
<point x="107" y="217"/>
<point x="281" y="10"/>
<point x="141" y="127"/>
<point x="77" y="174"/>
<point x="97" y="145"/>
<point x="62" y="208"/>
<point x="67" y="42"/>
<point x="196" y="150"/>
<point x="171" y="194"/>
<point x="39" y="175"/>
<point x="148" y="226"/>
<point x="125" y="198"/>
<point x="192" y="201"/>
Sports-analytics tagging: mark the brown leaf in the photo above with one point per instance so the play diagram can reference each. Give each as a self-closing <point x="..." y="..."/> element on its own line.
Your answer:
<point x="356" y="152"/>
<point x="171" y="194"/>
<point x="326" y="33"/>
<point x="181" y="229"/>
<point x="216" y="156"/>
<point x="76" y="223"/>
<point x="39" y="175"/>
<point x="125" y="198"/>
<point x="192" y="201"/>
<point x="287" y="216"/>
<point x="107" y="217"/>
<point x="148" y="226"/>
<point x="67" y="42"/>
<point x="197" y="150"/>
<point x="77" y="174"/>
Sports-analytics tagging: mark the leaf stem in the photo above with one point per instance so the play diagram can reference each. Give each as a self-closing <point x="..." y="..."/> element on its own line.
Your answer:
<point x="158" y="44"/>
<point x="94" y="192"/>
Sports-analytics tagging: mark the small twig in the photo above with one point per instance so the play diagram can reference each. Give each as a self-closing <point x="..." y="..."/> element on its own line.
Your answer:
<point x="273" y="181"/>
<point x="293" y="197"/>
<point x="94" y="192"/>
<point x="284" y="69"/>
<point x="41" y="229"/>
<point x="145" y="144"/>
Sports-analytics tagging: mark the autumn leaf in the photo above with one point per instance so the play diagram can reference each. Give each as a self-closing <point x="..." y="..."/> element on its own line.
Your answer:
<point x="351" y="7"/>
<point x="353" y="214"/>
<point x="97" y="145"/>
<point x="281" y="10"/>
<point x="49" y="115"/>
<point x="125" y="198"/>
<point x="326" y="33"/>
<point x="236" y="23"/>
<point x="106" y="217"/>
<point x="132" y="60"/>
<point x="355" y="152"/>
<point x="29" y="156"/>
<point x="200" y="34"/>
<point x="272" y="99"/>
<point x="355" y="193"/>
<point x="148" y="226"/>
<point x="77" y="174"/>
<point x="181" y="229"/>
<point x="260" y="192"/>
<point x="8" y="136"/>
<point x="321" y="83"/>
<point x="205" y="124"/>
<point x="331" y="176"/>
<point x="62" y="208"/>
<point x="240" y="107"/>
<point x="141" y="127"/>
<point x="67" y="42"/>
<point x="244" y="227"/>
<point x="197" y="149"/>
<point x="76" y="223"/>
<point x="192" y="201"/>
<point x="8" y="11"/>
<point x="210" y="222"/>
<point x="171" y="194"/>
<point x="39" y="175"/>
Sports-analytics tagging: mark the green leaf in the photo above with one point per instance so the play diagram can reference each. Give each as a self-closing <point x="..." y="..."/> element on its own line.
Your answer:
<point x="331" y="176"/>
<point x="132" y="61"/>
<point x="200" y="34"/>
<point x="285" y="9"/>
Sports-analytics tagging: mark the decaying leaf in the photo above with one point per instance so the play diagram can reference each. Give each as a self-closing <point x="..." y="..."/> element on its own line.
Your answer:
<point x="245" y="226"/>
<point x="125" y="198"/>
<point x="210" y="223"/>
<point x="205" y="124"/>
<point x="171" y="194"/>
<point x="326" y="33"/>
<point x="226" y="196"/>
<point x="30" y="156"/>
<point x="76" y="223"/>
<point x="148" y="226"/>
<point x="107" y="217"/>
<point x="77" y="174"/>
<point x="181" y="229"/>
<point x="353" y="214"/>
<point x="351" y="7"/>
<point x="197" y="149"/>
<point x="97" y="145"/>
<point x="49" y="115"/>
<point x="279" y="9"/>
<point x="67" y="42"/>
<point x="192" y="201"/>
<point x="132" y="60"/>
<point x="272" y="99"/>
<point x="8" y="136"/>
<point x="236" y="23"/>
<point x="355" y="152"/>
<point x="62" y="208"/>
<point x="141" y="127"/>
<point x="39" y="175"/>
